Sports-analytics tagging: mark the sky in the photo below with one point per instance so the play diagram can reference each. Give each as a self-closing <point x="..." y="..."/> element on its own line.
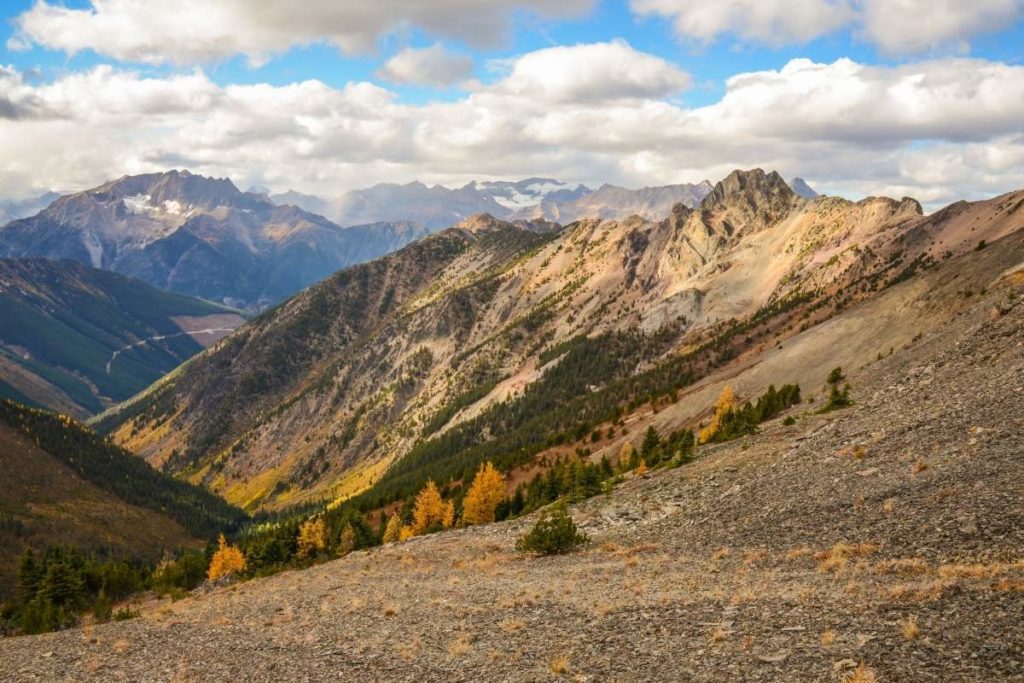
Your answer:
<point x="860" y="97"/>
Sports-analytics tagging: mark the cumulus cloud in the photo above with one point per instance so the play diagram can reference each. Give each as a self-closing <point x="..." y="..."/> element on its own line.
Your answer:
<point x="433" y="65"/>
<point x="592" y="72"/>
<point x="939" y="129"/>
<point x="773" y="22"/>
<point x="909" y="26"/>
<point x="194" y="31"/>
<point x="895" y="26"/>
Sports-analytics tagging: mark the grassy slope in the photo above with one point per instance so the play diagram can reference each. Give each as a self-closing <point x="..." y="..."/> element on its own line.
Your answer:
<point x="51" y="503"/>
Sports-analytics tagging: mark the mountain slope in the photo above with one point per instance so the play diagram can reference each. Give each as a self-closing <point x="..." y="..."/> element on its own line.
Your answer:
<point x="76" y="339"/>
<point x="198" y="236"/>
<point x="486" y="341"/>
<point x="609" y="201"/>
<point x="797" y="553"/>
<point x="13" y="209"/>
<point x="64" y="484"/>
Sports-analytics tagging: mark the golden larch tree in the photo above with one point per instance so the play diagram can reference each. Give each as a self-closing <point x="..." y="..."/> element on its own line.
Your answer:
<point x="312" y="537"/>
<point x="484" y="495"/>
<point x="726" y="402"/>
<point x="393" y="529"/>
<point x="429" y="509"/>
<point x="347" y="542"/>
<point x="228" y="559"/>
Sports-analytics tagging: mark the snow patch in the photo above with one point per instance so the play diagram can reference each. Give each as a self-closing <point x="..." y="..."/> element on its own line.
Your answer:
<point x="138" y="204"/>
<point x="172" y="206"/>
<point x="92" y="245"/>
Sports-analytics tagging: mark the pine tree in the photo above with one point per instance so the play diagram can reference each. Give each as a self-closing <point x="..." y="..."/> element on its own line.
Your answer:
<point x="486" y="491"/>
<point x="393" y="529"/>
<point x="228" y="559"/>
<point x="650" y="445"/>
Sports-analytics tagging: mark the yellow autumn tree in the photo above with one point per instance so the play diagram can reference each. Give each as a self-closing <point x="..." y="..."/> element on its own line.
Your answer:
<point x="347" y="542"/>
<point x="228" y="559"/>
<point x="484" y="495"/>
<point x="393" y="530"/>
<point x="312" y="537"/>
<point x="726" y="402"/>
<point x="430" y="509"/>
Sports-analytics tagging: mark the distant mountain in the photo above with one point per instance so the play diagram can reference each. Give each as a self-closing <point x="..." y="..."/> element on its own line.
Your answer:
<point x="76" y="339"/>
<point x="64" y="484"/>
<point x="489" y="340"/>
<point x="198" y="236"/>
<point x="610" y="201"/>
<point x="436" y="207"/>
<point x="799" y="186"/>
<point x="13" y="209"/>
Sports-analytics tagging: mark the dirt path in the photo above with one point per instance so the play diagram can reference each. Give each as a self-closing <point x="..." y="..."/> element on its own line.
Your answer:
<point x="192" y="333"/>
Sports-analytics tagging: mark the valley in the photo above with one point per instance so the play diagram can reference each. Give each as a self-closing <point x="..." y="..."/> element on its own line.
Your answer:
<point x="882" y="538"/>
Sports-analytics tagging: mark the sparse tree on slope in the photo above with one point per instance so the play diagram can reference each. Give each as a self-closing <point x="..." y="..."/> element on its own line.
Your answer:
<point x="393" y="530"/>
<point x="485" y="493"/>
<point x="227" y="560"/>
<point x="725" y="403"/>
<point x="430" y="511"/>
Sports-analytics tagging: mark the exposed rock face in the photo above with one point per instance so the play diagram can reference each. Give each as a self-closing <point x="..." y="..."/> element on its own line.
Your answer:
<point x="319" y="396"/>
<point x="801" y="187"/>
<point x="198" y="236"/>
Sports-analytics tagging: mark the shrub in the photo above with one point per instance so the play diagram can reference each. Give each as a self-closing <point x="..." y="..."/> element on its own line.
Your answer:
<point x="554" y="533"/>
<point x="789" y="421"/>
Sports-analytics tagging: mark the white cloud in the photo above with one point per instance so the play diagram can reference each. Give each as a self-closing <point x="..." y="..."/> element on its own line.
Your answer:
<point x="896" y="26"/>
<point x="939" y="129"/>
<point x="433" y="65"/>
<point x="772" y="22"/>
<point x="194" y="31"/>
<point x="592" y="72"/>
<point x="910" y="26"/>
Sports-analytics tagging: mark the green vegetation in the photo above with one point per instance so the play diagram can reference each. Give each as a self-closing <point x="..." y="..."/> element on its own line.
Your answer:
<point x="553" y="534"/>
<point x="837" y="398"/>
<point x="121" y="473"/>
<point x="736" y="422"/>
<point x="58" y="585"/>
<point x="73" y="318"/>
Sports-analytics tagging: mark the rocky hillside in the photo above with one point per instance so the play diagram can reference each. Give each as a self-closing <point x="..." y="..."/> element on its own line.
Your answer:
<point x="81" y="339"/>
<point x="610" y="201"/>
<point x="198" y="236"/>
<point x="489" y="341"/>
<point x="879" y="542"/>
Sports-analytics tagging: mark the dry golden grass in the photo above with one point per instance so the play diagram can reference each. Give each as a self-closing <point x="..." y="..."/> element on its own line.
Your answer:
<point x="797" y="553"/>
<point x="862" y="674"/>
<point x="924" y="591"/>
<point x="909" y="627"/>
<point x="889" y="505"/>
<point x="719" y="554"/>
<point x="1007" y="585"/>
<point x="859" y="453"/>
<point x="718" y="634"/>
<point x="559" y="665"/>
<point x="511" y="625"/>
<point x="461" y="645"/>
<point x="971" y="571"/>
<point x="918" y="467"/>
<point x="838" y="556"/>
<point x="828" y="637"/>
<point x="753" y="556"/>
<point x="409" y="650"/>
<point x="121" y="646"/>
<point x="390" y="609"/>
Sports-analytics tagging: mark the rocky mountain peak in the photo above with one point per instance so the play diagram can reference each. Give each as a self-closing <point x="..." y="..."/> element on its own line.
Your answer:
<point x="800" y="186"/>
<point x="750" y="183"/>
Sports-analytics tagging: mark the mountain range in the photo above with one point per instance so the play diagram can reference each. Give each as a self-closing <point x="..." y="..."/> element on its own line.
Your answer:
<point x="490" y="341"/>
<point x="440" y="207"/>
<point x="198" y="236"/>
<point x="77" y="339"/>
